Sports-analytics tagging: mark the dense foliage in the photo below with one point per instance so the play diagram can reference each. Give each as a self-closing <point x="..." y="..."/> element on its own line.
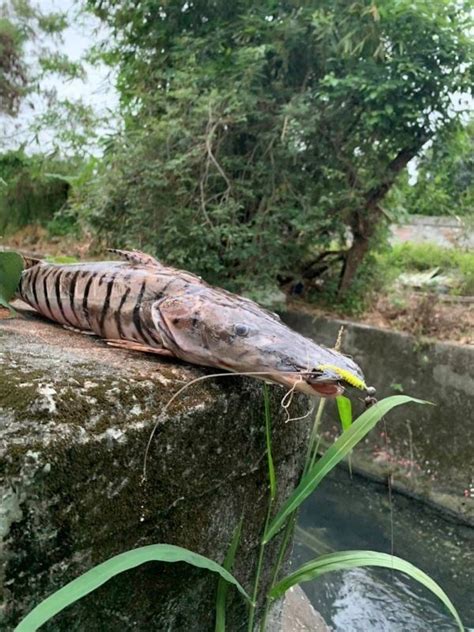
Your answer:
<point x="257" y="133"/>
<point x="412" y="257"/>
<point x="444" y="180"/>
<point x="32" y="189"/>
<point x="21" y="22"/>
<point x="12" y="69"/>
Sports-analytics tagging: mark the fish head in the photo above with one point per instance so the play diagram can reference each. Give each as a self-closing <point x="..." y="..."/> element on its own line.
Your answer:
<point x="219" y="329"/>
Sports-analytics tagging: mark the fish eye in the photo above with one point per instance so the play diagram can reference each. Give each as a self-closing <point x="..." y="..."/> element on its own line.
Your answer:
<point x="241" y="330"/>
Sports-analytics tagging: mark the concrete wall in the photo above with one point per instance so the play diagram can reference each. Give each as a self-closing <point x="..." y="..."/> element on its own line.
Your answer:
<point x="428" y="450"/>
<point x="449" y="232"/>
<point x="75" y="417"/>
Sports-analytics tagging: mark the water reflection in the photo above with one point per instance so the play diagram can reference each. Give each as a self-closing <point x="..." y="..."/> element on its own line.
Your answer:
<point x="355" y="514"/>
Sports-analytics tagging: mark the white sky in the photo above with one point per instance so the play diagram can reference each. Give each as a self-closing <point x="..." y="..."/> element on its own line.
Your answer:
<point x="97" y="90"/>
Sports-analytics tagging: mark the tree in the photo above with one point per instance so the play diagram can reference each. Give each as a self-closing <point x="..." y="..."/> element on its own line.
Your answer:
<point x="255" y="133"/>
<point x="30" y="56"/>
<point x="444" y="179"/>
<point x="22" y="22"/>
<point x="12" y="68"/>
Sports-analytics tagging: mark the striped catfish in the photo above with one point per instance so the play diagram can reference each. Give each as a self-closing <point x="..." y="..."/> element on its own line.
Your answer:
<point x="141" y="304"/>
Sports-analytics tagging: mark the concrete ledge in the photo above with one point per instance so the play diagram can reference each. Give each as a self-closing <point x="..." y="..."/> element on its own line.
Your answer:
<point x="75" y="417"/>
<point x="299" y="615"/>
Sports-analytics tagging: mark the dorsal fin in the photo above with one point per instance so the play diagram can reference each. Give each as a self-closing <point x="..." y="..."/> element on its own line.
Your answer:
<point x="30" y="262"/>
<point x="136" y="257"/>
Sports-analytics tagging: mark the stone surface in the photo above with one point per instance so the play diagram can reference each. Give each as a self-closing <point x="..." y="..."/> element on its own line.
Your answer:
<point x="299" y="615"/>
<point x="75" y="417"/>
<point x="427" y="450"/>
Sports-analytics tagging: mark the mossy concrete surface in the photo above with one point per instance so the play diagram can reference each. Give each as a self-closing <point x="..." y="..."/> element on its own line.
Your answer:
<point x="75" y="417"/>
<point x="425" y="450"/>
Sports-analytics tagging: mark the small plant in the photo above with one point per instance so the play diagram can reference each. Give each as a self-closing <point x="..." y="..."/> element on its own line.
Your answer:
<point x="11" y="267"/>
<point x="397" y="387"/>
<point x="28" y="194"/>
<point x="315" y="470"/>
<point x="412" y="257"/>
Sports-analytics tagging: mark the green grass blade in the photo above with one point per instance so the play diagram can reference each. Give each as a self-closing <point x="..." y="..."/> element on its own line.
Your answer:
<point x="222" y="584"/>
<point x="101" y="573"/>
<point x="268" y="438"/>
<point x="345" y="560"/>
<point x="333" y="455"/>
<point x="344" y="407"/>
<point x="11" y="267"/>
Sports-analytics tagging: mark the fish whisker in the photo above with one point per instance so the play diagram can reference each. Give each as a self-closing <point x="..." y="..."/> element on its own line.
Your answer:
<point x="211" y="376"/>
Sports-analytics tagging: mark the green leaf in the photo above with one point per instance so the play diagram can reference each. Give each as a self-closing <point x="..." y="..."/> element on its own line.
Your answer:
<point x="344" y="560"/>
<point x="223" y="585"/>
<point x="333" y="455"/>
<point x="61" y="259"/>
<point x="268" y="438"/>
<point x="101" y="573"/>
<point x="11" y="267"/>
<point x="344" y="407"/>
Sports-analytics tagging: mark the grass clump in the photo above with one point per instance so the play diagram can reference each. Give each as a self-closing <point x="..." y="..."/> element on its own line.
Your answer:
<point x="410" y="257"/>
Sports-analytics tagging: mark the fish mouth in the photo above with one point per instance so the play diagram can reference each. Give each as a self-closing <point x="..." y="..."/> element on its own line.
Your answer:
<point x="328" y="380"/>
<point x="327" y="389"/>
<point x="323" y="383"/>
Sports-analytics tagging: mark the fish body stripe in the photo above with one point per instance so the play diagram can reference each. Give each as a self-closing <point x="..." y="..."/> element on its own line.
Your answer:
<point x="59" y="300"/>
<point x="149" y="326"/>
<point x="105" y="308"/>
<point x="150" y="332"/>
<point x="136" y="314"/>
<point x="34" y="285"/>
<point x="53" y="303"/>
<point x="31" y="288"/>
<point x="72" y="293"/>
<point x="97" y="304"/>
<point x="27" y="289"/>
<point x="46" y="275"/>
<point x="85" y="298"/>
<point x="118" y="313"/>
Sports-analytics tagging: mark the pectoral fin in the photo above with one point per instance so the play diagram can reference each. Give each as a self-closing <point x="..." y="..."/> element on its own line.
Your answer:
<point x="136" y="346"/>
<point x="84" y="332"/>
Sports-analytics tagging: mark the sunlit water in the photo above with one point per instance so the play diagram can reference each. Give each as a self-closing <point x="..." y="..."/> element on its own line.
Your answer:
<point x="355" y="514"/>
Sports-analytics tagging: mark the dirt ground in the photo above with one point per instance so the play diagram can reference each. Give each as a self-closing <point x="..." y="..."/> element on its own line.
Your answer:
<point x="35" y="241"/>
<point x="428" y="315"/>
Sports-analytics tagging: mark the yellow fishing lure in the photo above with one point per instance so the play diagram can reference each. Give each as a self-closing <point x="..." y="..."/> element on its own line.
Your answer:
<point x="347" y="376"/>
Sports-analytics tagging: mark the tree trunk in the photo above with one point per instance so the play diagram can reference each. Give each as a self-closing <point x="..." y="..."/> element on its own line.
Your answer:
<point x="364" y="222"/>
<point x="354" y="257"/>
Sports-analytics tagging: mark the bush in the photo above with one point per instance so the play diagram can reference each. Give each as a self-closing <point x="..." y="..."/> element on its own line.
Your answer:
<point x="419" y="257"/>
<point x="30" y="191"/>
<point x="444" y="178"/>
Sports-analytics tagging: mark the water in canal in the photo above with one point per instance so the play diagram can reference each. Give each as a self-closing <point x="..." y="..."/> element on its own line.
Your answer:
<point x="354" y="513"/>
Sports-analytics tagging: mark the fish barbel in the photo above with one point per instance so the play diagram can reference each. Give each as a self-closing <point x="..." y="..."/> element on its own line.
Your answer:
<point x="141" y="304"/>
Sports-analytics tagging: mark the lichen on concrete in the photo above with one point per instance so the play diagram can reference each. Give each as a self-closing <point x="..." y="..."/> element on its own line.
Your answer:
<point x="75" y="417"/>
